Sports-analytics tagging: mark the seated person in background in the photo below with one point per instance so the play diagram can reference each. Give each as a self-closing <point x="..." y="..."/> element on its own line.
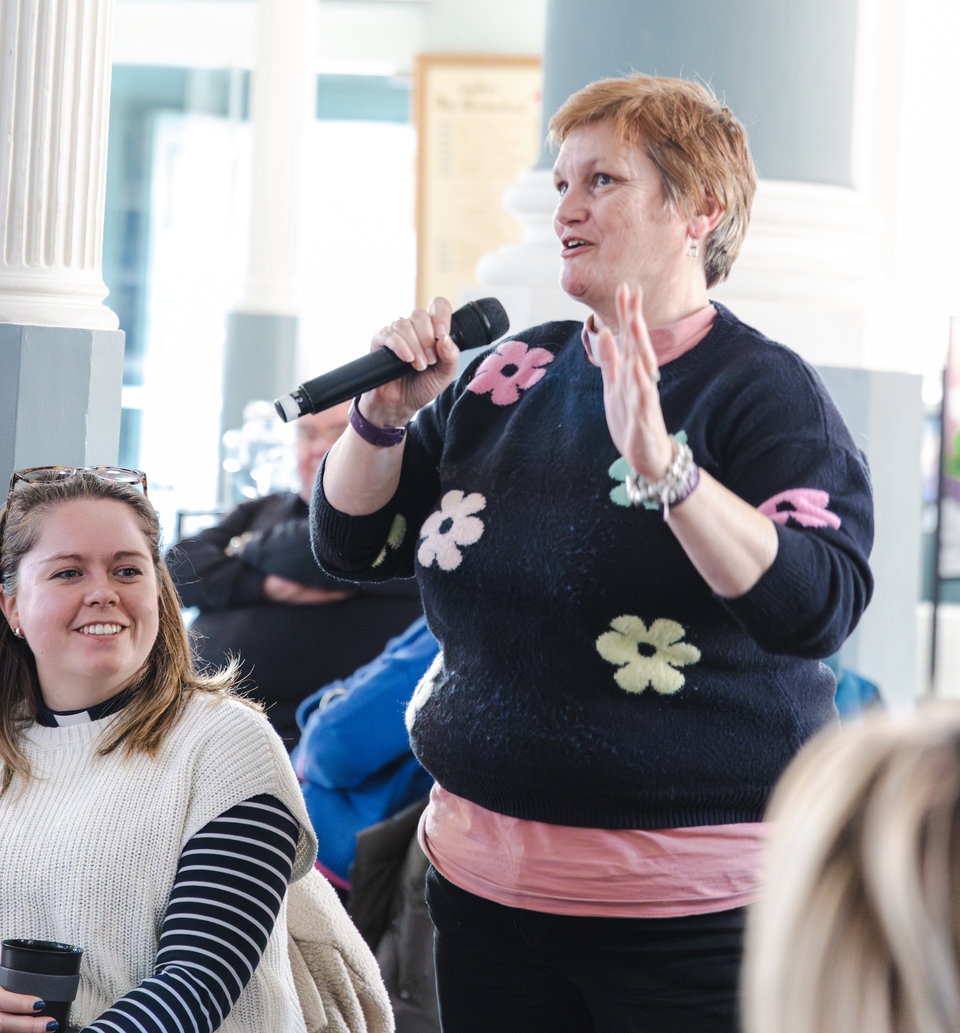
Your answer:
<point x="354" y="759"/>
<point x="859" y="923"/>
<point x="263" y="599"/>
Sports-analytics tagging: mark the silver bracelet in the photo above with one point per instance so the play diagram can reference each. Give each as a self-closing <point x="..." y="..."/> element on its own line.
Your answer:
<point x="682" y="476"/>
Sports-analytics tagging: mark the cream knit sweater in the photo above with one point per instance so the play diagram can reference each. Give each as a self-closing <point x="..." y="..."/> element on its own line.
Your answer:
<point x="89" y="848"/>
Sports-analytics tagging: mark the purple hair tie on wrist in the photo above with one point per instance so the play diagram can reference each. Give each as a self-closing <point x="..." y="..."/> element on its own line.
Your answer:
<point x="382" y="437"/>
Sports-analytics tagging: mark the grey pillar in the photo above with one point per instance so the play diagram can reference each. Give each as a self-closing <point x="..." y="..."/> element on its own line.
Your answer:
<point x="260" y="361"/>
<point x="59" y="397"/>
<point x="785" y="67"/>
<point x="884" y="412"/>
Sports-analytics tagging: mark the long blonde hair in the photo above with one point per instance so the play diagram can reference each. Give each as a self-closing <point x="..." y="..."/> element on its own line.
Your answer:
<point x="157" y="695"/>
<point x="858" y="928"/>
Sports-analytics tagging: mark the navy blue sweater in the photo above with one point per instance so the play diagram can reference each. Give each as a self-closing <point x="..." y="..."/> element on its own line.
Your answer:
<point x="589" y="675"/>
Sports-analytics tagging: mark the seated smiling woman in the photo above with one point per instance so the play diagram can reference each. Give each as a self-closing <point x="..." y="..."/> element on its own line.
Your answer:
<point x="146" y="813"/>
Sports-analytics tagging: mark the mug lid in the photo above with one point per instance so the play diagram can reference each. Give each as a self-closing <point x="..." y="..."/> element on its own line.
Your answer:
<point x="48" y="957"/>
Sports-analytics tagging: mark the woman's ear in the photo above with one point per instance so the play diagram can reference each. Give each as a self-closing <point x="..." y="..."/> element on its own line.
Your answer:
<point x="8" y="603"/>
<point x="700" y="226"/>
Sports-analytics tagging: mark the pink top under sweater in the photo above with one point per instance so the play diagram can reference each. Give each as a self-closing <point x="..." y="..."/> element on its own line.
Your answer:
<point x="670" y="341"/>
<point x="617" y="873"/>
<point x="614" y="873"/>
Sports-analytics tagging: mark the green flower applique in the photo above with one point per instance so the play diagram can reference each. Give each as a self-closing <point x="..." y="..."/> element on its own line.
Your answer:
<point x="647" y="656"/>
<point x="398" y="531"/>
<point x="618" y="472"/>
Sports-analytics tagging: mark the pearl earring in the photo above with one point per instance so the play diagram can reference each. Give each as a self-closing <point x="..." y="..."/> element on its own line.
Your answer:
<point x="694" y="249"/>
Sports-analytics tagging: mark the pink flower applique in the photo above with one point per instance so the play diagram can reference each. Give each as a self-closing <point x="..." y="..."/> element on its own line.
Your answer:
<point x="512" y="366"/>
<point x="808" y="506"/>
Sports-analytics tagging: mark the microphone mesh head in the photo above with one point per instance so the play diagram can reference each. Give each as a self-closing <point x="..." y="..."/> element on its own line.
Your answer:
<point x="496" y="316"/>
<point x="468" y="328"/>
<point x="479" y="323"/>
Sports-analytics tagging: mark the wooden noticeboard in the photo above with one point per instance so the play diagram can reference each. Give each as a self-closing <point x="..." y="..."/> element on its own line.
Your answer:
<point x="478" y="128"/>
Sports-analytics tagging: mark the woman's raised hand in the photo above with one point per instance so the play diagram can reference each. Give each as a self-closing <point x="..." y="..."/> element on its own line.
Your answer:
<point x="18" y="1013"/>
<point x="630" y="396"/>
<point x="422" y="339"/>
<point x="358" y="477"/>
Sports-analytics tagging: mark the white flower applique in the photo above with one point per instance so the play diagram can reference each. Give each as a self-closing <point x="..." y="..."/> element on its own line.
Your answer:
<point x="451" y="526"/>
<point x="422" y="692"/>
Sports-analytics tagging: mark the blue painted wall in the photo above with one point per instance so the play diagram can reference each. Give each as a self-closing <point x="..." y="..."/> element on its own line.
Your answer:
<point x="363" y="98"/>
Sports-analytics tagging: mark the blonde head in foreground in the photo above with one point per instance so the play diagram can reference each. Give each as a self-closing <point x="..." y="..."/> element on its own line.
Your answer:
<point x="859" y="924"/>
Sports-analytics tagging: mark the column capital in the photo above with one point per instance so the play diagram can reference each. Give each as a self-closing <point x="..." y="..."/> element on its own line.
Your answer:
<point x="54" y="112"/>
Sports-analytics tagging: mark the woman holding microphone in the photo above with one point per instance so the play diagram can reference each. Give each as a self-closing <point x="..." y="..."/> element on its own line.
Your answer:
<point x="635" y="539"/>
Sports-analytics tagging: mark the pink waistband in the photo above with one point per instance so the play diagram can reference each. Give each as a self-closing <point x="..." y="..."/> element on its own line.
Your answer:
<point x="624" y="873"/>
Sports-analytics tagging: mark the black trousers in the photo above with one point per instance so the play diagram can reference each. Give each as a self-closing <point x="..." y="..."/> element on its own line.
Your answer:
<point x="509" y="970"/>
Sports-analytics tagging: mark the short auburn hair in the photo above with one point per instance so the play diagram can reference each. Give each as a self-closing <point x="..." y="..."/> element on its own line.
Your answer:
<point x="699" y="148"/>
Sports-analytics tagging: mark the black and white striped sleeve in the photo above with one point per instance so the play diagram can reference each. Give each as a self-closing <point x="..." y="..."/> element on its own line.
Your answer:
<point x="230" y="882"/>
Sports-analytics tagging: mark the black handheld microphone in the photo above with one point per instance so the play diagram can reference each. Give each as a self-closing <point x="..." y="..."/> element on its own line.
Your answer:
<point x="476" y="324"/>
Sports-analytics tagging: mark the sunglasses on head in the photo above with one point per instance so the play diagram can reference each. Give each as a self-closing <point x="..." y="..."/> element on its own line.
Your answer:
<point x="52" y="474"/>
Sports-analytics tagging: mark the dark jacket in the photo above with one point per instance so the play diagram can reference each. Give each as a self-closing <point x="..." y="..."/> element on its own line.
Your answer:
<point x="286" y="650"/>
<point x="388" y="906"/>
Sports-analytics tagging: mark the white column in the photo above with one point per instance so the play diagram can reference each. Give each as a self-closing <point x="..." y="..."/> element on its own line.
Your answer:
<point x="54" y="108"/>
<point x="526" y="276"/>
<point x="282" y="108"/>
<point x="61" y="354"/>
<point x="261" y="351"/>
